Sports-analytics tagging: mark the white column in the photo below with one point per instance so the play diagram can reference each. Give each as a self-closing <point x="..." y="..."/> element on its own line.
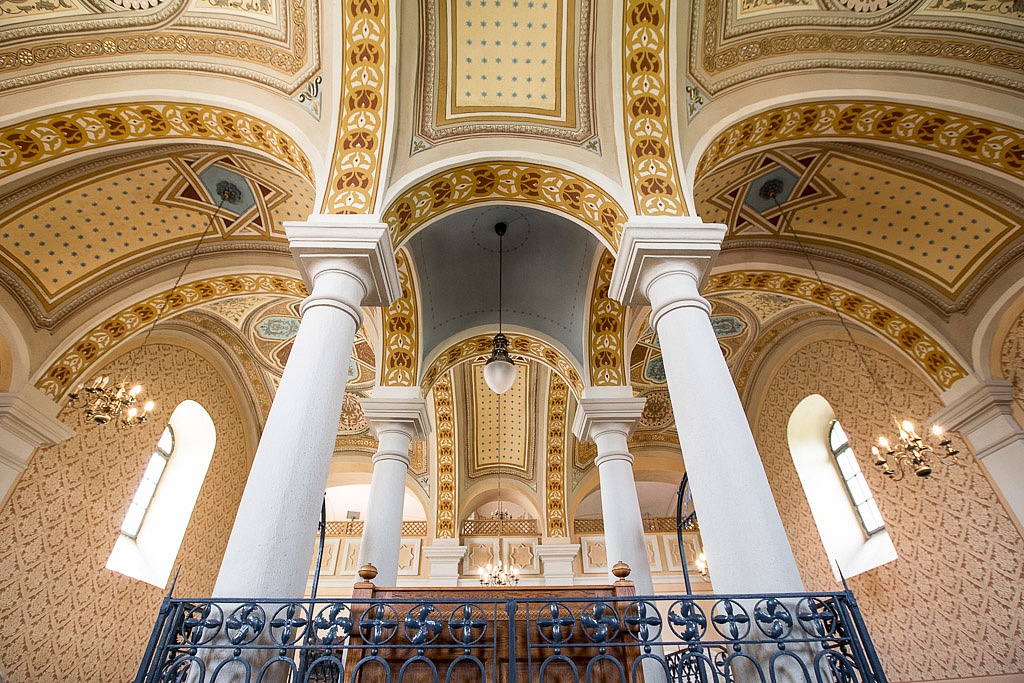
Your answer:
<point x="397" y="415"/>
<point x="28" y="420"/>
<point x="607" y="416"/>
<point x="445" y="555"/>
<point x="346" y="264"/>
<point x="664" y="263"/>
<point x="556" y="562"/>
<point x="982" y="412"/>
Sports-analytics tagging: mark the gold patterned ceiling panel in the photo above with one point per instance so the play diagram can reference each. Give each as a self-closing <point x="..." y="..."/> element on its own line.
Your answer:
<point x="272" y="42"/>
<point x="519" y="67"/>
<point x="70" y="236"/>
<point x="503" y="425"/>
<point x="931" y="230"/>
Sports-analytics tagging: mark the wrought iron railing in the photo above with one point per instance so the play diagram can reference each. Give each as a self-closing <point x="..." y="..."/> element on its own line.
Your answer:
<point x="817" y="638"/>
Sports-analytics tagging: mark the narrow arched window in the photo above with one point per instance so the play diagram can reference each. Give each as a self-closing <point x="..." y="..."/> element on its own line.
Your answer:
<point x="860" y="495"/>
<point x="151" y="477"/>
<point x="159" y="512"/>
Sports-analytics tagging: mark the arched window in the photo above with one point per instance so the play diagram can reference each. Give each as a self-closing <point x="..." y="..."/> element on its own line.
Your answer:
<point x="849" y="523"/>
<point x="853" y="478"/>
<point x="154" y="526"/>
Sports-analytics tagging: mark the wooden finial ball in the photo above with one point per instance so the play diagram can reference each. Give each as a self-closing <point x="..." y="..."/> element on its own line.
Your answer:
<point x="620" y="570"/>
<point x="367" y="572"/>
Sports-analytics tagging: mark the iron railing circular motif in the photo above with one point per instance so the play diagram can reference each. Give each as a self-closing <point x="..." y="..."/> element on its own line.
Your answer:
<point x="772" y="618"/>
<point x="423" y="624"/>
<point x="817" y="618"/>
<point x="289" y="623"/>
<point x="730" y="620"/>
<point x="333" y="624"/>
<point x="200" y="628"/>
<point x="378" y="624"/>
<point x="556" y="623"/>
<point x="467" y="624"/>
<point x="687" y="620"/>
<point x="643" y="621"/>
<point x="600" y="622"/>
<point x="245" y="623"/>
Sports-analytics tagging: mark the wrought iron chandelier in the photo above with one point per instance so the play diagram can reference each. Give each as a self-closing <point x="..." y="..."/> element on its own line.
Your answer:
<point x="499" y="371"/>
<point x="103" y="402"/>
<point x="909" y="452"/>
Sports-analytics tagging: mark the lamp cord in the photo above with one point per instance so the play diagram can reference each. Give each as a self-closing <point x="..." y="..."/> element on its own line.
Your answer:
<point x="501" y="253"/>
<point x="786" y="222"/>
<point x="226" y="194"/>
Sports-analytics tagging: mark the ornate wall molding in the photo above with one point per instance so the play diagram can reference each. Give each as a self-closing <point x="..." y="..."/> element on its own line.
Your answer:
<point x="930" y="357"/>
<point x="401" y="330"/>
<point x="558" y="406"/>
<point x="359" y="150"/>
<point x="647" y="109"/>
<point x="518" y="345"/>
<point x="968" y="138"/>
<point x="123" y="41"/>
<point x="520" y="183"/>
<point x="33" y="142"/>
<point x="725" y="52"/>
<point x="83" y="353"/>
<point x="607" y="330"/>
<point x="444" y="429"/>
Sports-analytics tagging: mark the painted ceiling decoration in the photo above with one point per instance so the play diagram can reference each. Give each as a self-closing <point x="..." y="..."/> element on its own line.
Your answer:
<point x="736" y="42"/>
<point x="270" y="42"/>
<point x="75" y="362"/>
<point x="494" y="67"/>
<point x="401" y="329"/>
<point x="64" y="242"/>
<point x="513" y="183"/>
<point x="502" y="426"/>
<point x="873" y="211"/>
<point x="657" y="190"/>
<point x="558" y="442"/>
<point x="359" y="153"/>
<point x="607" y="329"/>
<point x="968" y="138"/>
<point x="33" y="142"/>
<point x="447" y="463"/>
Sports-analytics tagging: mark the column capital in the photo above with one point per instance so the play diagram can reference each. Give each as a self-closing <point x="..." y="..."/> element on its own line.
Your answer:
<point x="397" y="407"/>
<point x="607" y="409"/>
<point x="28" y="420"/>
<point x="350" y="243"/>
<point x="653" y="246"/>
<point x="981" y="410"/>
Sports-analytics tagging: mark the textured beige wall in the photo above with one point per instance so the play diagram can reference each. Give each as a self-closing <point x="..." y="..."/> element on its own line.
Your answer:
<point x="1011" y="360"/>
<point x="952" y="604"/>
<point x="63" y="616"/>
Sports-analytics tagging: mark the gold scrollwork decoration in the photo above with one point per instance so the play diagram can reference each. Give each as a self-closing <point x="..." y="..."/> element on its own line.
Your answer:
<point x="76" y="361"/>
<point x="359" y="149"/>
<point x="647" y="110"/>
<point x="607" y="325"/>
<point x="926" y="352"/>
<point x="45" y="138"/>
<point x="558" y="402"/>
<point x="401" y="352"/>
<point x="528" y="183"/>
<point x="444" y="428"/>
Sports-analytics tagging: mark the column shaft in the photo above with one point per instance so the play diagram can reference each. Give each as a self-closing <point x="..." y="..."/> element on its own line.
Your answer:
<point x="742" y="532"/>
<point x="382" y="530"/>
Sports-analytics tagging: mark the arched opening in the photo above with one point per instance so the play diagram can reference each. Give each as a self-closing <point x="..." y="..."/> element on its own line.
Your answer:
<point x="158" y="515"/>
<point x="849" y="524"/>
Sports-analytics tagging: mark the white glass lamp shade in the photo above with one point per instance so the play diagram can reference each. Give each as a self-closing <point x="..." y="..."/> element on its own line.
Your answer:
<point x="500" y="374"/>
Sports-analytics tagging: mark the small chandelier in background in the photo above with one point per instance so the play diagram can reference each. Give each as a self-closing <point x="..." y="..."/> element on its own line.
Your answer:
<point x="103" y="402"/>
<point x="499" y="371"/>
<point x="911" y="453"/>
<point x="702" y="565"/>
<point x="499" y="575"/>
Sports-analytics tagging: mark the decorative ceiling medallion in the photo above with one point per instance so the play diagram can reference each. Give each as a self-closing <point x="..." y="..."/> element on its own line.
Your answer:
<point x="195" y="189"/>
<point x="494" y="67"/>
